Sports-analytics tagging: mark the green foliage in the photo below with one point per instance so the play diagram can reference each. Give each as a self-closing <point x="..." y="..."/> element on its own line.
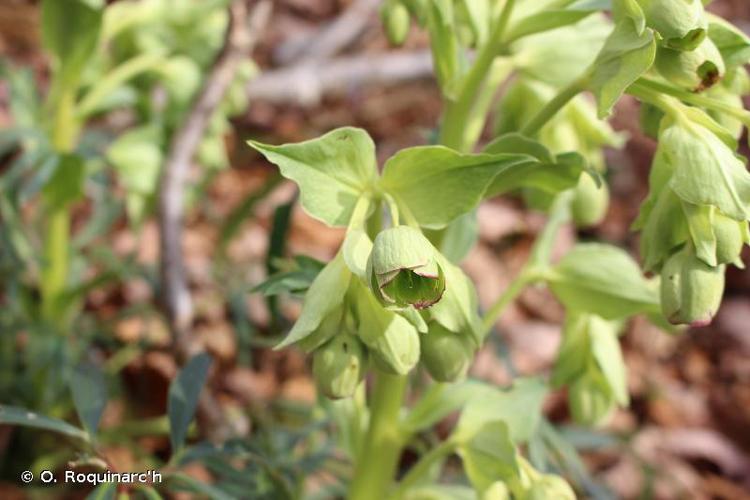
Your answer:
<point x="332" y="171"/>
<point x="393" y="298"/>
<point x="626" y="55"/>
<point x="602" y="280"/>
<point x="70" y="32"/>
<point x="184" y="392"/>
<point x="89" y="396"/>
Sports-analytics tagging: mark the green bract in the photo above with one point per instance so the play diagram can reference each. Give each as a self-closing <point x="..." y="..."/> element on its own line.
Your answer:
<point x="403" y="269"/>
<point x="691" y="290"/>
<point x="696" y="184"/>
<point x="446" y="355"/>
<point x="695" y="70"/>
<point x="590" y="202"/>
<point x="590" y="363"/>
<point x="339" y="365"/>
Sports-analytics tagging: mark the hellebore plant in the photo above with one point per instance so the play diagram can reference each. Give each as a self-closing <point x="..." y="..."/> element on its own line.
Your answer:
<point x="395" y="298"/>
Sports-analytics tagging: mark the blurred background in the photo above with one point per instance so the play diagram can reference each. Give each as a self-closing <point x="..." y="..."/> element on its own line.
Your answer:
<point x="311" y="66"/>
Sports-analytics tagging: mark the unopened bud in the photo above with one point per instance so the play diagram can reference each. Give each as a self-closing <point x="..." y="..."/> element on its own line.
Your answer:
<point x="694" y="70"/>
<point x="691" y="290"/>
<point x="590" y="202"/>
<point x="395" y="18"/>
<point x="403" y="269"/>
<point x="445" y="354"/>
<point x="681" y="24"/>
<point x="339" y="366"/>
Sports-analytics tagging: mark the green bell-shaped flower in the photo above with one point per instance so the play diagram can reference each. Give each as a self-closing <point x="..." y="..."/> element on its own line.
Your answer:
<point x="548" y="486"/>
<point x="339" y="365"/>
<point x="590" y="202"/>
<point x="403" y="269"/>
<point x="695" y="70"/>
<point x="691" y="290"/>
<point x="682" y="24"/>
<point x="395" y="18"/>
<point x="446" y="355"/>
<point x="496" y="491"/>
<point x="590" y="398"/>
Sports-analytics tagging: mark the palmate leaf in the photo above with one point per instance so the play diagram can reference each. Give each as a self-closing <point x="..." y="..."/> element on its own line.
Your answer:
<point x="603" y="280"/>
<point x="332" y="171"/>
<point x="519" y="407"/>
<point x="490" y="456"/>
<point x="435" y="185"/>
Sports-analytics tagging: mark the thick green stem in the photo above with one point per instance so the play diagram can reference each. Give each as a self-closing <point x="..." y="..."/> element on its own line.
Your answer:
<point x="376" y="464"/>
<point x="458" y="112"/>
<point x="57" y="240"/>
<point x="556" y="104"/>
<point x="55" y="270"/>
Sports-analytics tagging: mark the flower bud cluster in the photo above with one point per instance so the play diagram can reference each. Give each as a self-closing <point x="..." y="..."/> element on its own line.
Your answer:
<point x="406" y="304"/>
<point x="695" y="219"/>
<point x="590" y="364"/>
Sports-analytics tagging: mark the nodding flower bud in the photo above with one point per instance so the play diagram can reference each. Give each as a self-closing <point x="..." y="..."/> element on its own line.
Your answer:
<point x="395" y="18"/>
<point x="731" y="236"/>
<point x="403" y="269"/>
<point x="681" y="24"/>
<point x="694" y="70"/>
<point x="445" y="354"/>
<point x="691" y="290"/>
<point x="590" y="398"/>
<point x="550" y="486"/>
<point x="496" y="491"/>
<point x="590" y="202"/>
<point x="339" y="365"/>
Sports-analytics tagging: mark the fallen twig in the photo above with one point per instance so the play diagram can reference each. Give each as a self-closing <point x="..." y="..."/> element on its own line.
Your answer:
<point x="175" y="295"/>
<point x="306" y="83"/>
<point x="328" y="41"/>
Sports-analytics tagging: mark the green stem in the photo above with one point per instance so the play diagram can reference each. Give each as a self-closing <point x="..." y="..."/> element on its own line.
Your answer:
<point x="55" y="270"/>
<point x="509" y="295"/>
<point x="534" y="269"/>
<point x="453" y="132"/>
<point x="114" y="79"/>
<point x="669" y="105"/>
<point x="556" y="104"/>
<point x="57" y="240"/>
<point x="422" y="468"/>
<point x="377" y="461"/>
<point x="643" y="84"/>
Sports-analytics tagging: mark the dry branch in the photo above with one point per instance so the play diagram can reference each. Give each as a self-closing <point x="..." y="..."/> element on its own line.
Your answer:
<point x="331" y="39"/>
<point x="306" y="83"/>
<point x="175" y="295"/>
